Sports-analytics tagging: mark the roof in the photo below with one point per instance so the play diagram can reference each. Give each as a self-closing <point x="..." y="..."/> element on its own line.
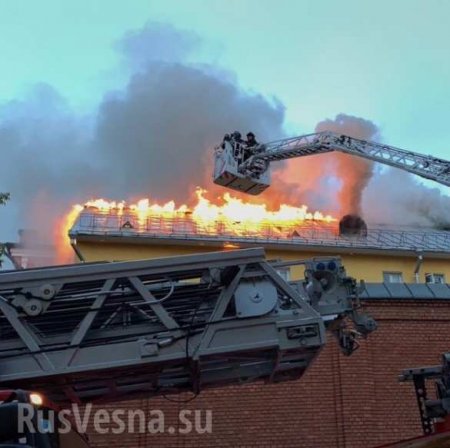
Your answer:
<point x="419" y="291"/>
<point x="182" y="229"/>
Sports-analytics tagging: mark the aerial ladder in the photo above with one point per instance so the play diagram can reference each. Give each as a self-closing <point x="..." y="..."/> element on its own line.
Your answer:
<point x="247" y="169"/>
<point x="109" y="331"/>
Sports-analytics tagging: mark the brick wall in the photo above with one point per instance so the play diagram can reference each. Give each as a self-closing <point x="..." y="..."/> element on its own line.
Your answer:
<point x="351" y="402"/>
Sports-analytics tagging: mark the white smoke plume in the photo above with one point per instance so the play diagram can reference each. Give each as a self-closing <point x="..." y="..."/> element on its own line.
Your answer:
<point x="395" y="197"/>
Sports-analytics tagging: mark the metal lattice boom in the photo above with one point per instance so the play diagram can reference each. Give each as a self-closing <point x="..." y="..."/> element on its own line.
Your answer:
<point x="428" y="167"/>
<point x="109" y="331"/>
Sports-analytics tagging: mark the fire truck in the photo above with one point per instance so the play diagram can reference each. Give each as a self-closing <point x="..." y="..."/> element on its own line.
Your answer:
<point x="248" y="169"/>
<point x="41" y="429"/>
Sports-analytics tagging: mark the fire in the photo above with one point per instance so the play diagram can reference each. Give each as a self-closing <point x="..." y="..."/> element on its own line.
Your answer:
<point x="232" y="209"/>
<point x="235" y="210"/>
<point x="227" y="216"/>
<point x="64" y="253"/>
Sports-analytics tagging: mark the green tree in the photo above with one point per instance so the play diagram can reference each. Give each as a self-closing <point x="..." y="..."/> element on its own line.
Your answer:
<point x="3" y="198"/>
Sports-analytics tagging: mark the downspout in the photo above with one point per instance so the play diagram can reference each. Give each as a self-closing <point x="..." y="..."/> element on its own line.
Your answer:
<point x="419" y="262"/>
<point x="11" y="258"/>
<point x="73" y="243"/>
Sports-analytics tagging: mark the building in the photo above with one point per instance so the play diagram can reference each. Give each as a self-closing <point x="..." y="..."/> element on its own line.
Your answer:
<point x="383" y="255"/>
<point x="341" y="402"/>
<point x="29" y="251"/>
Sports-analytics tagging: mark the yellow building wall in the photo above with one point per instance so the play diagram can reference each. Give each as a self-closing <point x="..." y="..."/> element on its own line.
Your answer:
<point x="368" y="267"/>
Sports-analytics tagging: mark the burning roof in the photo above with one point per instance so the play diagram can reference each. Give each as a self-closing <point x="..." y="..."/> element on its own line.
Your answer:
<point x="231" y="221"/>
<point x="229" y="217"/>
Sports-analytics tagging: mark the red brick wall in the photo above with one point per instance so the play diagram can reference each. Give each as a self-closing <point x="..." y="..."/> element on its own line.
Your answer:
<point x="351" y="402"/>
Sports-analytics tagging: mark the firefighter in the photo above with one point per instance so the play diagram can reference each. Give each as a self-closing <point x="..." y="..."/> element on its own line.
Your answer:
<point x="251" y="140"/>
<point x="237" y="137"/>
<point x="226" y="138"/>
<point x="250" y="144"/>
<point x="238" y="146"/>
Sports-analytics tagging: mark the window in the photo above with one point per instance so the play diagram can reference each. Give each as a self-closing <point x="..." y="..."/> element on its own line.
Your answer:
<point x="393" y="277"/>
<point x="284" y="273"/>
<point x="439" y="278"/>
<point x="435" y="278"/>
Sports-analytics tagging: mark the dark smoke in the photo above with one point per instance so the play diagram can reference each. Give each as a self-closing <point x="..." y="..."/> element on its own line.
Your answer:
<point x="161" y="129"/>
<point x="148" y="139"/>
<point x="354" y="173"/>
<point x="383" y="195"/>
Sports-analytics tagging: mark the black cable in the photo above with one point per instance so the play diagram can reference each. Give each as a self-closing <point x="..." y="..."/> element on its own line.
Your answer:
<point x="201" y="327"/>
<point x="188" y="334"/>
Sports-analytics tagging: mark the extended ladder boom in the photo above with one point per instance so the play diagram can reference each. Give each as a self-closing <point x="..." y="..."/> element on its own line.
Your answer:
<point x="247" y="168"/>
<point x="115" y="330"/>
<point x="428" y="167"/>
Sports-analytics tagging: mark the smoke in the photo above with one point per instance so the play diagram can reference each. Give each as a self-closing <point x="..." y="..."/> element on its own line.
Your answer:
<point x="153" y="138"/>
<point x="396" y="197"/>
<point x="382" y="195"/>
<point x="354" y="173"/>
<point x="334" y="182"/>
<point x="161" y="130"/>
<point x="44" y="161"/>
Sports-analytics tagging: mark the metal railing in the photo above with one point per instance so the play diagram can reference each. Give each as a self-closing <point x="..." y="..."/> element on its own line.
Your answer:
<point x="308" y="233"/>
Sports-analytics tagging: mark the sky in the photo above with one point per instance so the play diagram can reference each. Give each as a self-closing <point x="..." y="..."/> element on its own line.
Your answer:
<point x="384" y="61"/>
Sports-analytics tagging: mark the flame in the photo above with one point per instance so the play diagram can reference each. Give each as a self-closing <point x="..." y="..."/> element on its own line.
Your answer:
<point x="64" y="252"/>
<point x="227" y="216"/>
<point x="237" y="216"/>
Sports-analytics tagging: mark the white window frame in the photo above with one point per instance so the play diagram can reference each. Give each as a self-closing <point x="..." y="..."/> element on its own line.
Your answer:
<point x="435" y="278"/>
<point x="284" y="273"/>
<point x="389" y="276"/>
